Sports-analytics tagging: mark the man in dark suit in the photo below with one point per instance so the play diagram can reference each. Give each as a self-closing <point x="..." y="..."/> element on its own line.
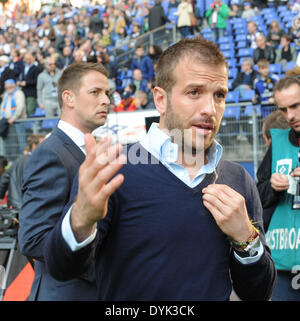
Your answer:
<point x="28" y="80"/>
<point x="83" y="95"/>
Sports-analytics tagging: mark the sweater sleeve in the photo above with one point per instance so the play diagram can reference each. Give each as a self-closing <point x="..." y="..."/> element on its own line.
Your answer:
<point x="254" y="281"/>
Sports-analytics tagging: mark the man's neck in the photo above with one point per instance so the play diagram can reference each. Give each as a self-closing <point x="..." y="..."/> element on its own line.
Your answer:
<point x="192" y="162"/>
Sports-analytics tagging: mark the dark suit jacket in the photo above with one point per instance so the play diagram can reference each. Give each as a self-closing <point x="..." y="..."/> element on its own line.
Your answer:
<point x="47" y="181"/>
<point x="31" y="80"/>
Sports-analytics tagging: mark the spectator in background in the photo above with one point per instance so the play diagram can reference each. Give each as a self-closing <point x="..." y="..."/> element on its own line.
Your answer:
<point x="14" y="107"/>
<point x="47" y="88"/>
<point x="217" y="15"/>
<point x="11" y="180"/>
<point x="122" y="41"/>
<point x="184" y="20"/>
<point x="156" y="19"/>
<point x="96" y="23"/>
<point x="136" y="32"/>
<point x="248" y="12"/>
<point x="116" y="21"/>
<point x="236" y="10"/>
<point x="127" y="103"/>
<point x="245" y="78"/>
<point x="143" y="62"/>
<point x="263" y="51"/>
<point x="138" y="80"/>
<point x="252" y="34"/>
<point x="154" y="52"/>
<point x="274" y="35"/>
<point x="264" y="85"/>
<point x="78" y="55"/>
<point x="141" y="100"/>
<point x="28" y="81"/>
<point x="66" y="58"/>
<point x="16" y="62"/>
<point x="287" y="53"/>
<point x="5" y="72"/>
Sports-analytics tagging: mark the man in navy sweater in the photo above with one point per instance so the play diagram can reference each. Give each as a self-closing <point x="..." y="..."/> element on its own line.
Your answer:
<point x="176" y="222"/>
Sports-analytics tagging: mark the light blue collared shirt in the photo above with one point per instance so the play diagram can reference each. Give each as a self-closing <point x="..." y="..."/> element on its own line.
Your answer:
<point x="159" y="144"/>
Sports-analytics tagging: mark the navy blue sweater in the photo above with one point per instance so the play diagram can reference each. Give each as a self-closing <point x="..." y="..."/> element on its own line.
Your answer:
<point x="158" y="242"/>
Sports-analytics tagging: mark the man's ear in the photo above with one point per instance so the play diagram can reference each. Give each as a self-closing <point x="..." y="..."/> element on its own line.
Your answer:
<point x="160" y="100"/>
<point x="68" y="98"/>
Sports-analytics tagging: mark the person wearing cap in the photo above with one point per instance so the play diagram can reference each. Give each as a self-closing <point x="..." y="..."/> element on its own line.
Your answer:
<point x="5" y="72"/>
<point x="14" y="107"/>
<point x="248" y="12"/>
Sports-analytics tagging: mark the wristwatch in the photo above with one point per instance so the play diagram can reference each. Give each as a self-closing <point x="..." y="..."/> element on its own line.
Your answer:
<point x="248" y="248"/>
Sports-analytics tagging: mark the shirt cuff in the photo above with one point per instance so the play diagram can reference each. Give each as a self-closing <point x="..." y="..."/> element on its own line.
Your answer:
<point x="69" y="237"/>
<point x="251" y="259"/>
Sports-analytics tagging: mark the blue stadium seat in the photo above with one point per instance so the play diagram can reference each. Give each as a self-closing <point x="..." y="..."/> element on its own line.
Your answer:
<point x="225" y="40"/>
<point x="228" y="54"/>
<point x="249" y="110"/>
<point x="232" y="97"/>
<point x="245" y="52"/>
<point x="49" y="123"/>
<point x="231" y="62"/>
<point x="232" y="111"/>
<point x="275" y="68"/>
<point x="247" y="122"/>
<point x="229" y="127"/>
<point x="225" y="46"/>
<point x="240" y="37"/>
<point x="232" y="73"/>
<point x="165" y="5"/>
<point x="241" y="44"/>
<point x="38" y="113"/>
<point x="248" y="95"/>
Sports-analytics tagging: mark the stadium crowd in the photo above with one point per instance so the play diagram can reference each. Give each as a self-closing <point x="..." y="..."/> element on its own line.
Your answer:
<point x="102" y="32"/>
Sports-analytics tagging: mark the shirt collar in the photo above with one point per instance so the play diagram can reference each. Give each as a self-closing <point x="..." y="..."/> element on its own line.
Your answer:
<point x="159" y="144"/>
<point x="75" y="134"/>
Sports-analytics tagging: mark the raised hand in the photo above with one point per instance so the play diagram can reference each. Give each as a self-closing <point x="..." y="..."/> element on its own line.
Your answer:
<point x="95" y="186"/>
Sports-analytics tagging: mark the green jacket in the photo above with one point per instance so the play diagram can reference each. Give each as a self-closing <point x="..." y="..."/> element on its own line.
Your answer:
<point x="223" y="14"/>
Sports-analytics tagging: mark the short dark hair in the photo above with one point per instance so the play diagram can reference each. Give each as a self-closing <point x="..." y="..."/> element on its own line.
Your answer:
<point x="34" y="139"/>
<point x="71" y="77"/>
<point x="286" y="82"/>
<point x="203" y="50"/>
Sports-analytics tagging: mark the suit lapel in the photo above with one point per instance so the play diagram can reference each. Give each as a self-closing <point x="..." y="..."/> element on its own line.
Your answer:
<point x="69" y="144"/>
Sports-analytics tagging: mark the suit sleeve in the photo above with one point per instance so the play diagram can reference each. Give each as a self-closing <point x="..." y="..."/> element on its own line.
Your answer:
<point x="61" y="261"/>
<point x="254" y="281"/>
<point x="45" y="189"/>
